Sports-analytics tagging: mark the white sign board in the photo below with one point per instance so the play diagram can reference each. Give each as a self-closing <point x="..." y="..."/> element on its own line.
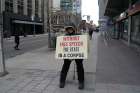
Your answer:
<point x="72" y="47"/>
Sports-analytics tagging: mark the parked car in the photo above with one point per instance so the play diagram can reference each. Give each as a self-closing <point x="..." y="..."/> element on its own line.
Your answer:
<point x="97" y="29"/>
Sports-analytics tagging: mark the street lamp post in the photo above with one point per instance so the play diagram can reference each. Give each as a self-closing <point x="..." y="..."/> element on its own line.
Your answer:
<point x="34" y="29"/>
<point x="3" y="70"/>
<point x="33" y="19"/>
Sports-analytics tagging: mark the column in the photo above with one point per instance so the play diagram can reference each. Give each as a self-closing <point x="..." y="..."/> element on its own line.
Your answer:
<point x="40" y="8"/>
<point x="45" y="10"/>
<point x="15" y="7"/>
<point x="3" y="71"/>
<point x="25" y="7"/>
<point x="2" y="5"/>
<point x="33" y="7"/>
<point x="129" y="29"/>
<point x="129" y="25"/>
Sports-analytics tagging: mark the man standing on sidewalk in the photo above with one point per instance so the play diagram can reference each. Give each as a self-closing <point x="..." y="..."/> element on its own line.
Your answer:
<point x="17" y="42"/>
<point x="17" y="38"/>
<point x="70" y="31"/>
<point x="82" y="27"/>
<point x="91" y="29"/>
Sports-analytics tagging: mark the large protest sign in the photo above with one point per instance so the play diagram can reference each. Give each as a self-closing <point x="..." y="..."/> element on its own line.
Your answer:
<point x="72" y="47"/>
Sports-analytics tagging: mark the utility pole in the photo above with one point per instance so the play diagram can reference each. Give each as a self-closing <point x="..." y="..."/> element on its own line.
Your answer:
<point x="3" y="71"/>
<point x="33" y="19"/>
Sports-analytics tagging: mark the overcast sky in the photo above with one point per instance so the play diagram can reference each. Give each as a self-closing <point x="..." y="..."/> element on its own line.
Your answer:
<point x="90" y="7"/>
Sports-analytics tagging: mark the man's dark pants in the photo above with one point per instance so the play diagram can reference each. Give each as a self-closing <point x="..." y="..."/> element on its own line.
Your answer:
<point x="65" y="68"/>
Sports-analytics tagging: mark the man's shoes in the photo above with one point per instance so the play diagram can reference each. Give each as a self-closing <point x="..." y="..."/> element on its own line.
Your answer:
<point x="16" y="48"/>
<point x="81" y="86"/>
<point x="62" y="84"/>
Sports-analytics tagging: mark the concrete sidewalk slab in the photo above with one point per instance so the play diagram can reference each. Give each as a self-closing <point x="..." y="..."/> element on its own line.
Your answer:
<point x="41" y="81"/>
<point x="118" y="68"/>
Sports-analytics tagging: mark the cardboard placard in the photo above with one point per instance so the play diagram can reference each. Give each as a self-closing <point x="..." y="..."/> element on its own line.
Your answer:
<point x="72" y="47"/>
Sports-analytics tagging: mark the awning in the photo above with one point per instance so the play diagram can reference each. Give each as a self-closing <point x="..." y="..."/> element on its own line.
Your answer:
<point x="26" y="22"/>
<point x="115" y="7"/>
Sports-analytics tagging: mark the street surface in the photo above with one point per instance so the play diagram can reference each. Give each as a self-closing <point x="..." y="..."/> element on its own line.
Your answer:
<point x="27" y="44"/>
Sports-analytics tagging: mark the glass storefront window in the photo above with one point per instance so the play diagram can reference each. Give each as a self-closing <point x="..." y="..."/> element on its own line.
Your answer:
<point x="36" y="8"/>
<point x="21" y="7"/>
<point x="135" y="35"/>
<point x="125" y="29"/>
<point x="29" y="7"/>
<point x="9" y="6"/>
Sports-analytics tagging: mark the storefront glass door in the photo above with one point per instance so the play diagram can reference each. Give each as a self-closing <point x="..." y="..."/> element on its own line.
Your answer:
<point x="135" y="34"/>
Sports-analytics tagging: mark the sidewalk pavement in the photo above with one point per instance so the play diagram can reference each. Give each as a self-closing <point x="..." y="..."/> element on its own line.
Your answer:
<point x="38" y="72"/>
<point x="118" y="68"/>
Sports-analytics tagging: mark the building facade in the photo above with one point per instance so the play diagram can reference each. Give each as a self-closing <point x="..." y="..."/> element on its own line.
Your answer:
<point x="70" y="11"/>
<point x="60" y="18"/>
<point x="102" y="18"/>
<point x="22" y="16"/>
<point x="126" y="17"/>
<point x="66" y="5"/>
<point x="72" y="6"/>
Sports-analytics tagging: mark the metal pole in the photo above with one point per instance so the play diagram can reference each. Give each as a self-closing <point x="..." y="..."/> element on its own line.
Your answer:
<point x="4" y="71"/>
<point x="49" y="23"/>
<point x="74" y="72"/>
<point x="33" y="19"/>
<point x="34" y="29"/>
<point x="42" y="3"/>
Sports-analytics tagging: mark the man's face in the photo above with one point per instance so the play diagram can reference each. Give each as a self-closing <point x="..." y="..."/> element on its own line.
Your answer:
<point x="91" y="22"/>
<point x="70" y="30"/>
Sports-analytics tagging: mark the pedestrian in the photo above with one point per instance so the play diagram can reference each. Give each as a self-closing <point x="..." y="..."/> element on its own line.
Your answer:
<point x="82" y="27"/>
<point x="17" y="42"/>
<point x="71" y="30"/>
<point x="91" y="29"/>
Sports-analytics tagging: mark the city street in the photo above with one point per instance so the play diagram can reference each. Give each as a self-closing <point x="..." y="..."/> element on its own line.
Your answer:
<point x="27" y="44"/>
<point x="69" y="46"/>
<point x="112" y="67"/>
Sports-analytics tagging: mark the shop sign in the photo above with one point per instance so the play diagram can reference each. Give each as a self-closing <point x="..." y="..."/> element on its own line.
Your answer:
<point x="123" y="15"/>
<point x="72" y="47"/>
<point x="134" y="9"/>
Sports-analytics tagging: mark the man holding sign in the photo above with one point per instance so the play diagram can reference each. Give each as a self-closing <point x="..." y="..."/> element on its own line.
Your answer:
<point x="71" y="47"/>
